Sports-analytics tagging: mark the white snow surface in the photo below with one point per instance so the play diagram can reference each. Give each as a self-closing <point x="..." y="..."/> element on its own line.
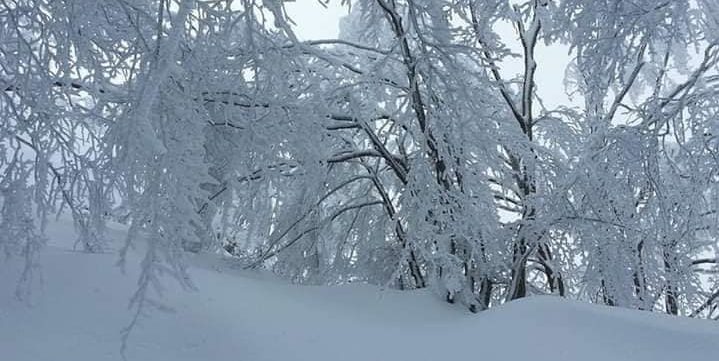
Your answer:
<point x="78" y="311"/>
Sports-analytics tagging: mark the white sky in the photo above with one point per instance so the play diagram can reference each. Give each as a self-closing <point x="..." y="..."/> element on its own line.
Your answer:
<point x="315" y="21"/>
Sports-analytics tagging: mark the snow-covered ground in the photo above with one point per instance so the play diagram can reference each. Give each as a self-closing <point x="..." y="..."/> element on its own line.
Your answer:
<point x="79" y="310"/>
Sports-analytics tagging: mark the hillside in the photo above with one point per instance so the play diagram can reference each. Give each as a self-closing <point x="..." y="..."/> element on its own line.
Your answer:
<point x="78" y="311"/>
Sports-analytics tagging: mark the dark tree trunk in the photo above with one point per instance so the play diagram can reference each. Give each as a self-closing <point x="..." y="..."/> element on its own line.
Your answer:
<point x="671" y="303"/>
<point x="554" y="278"/>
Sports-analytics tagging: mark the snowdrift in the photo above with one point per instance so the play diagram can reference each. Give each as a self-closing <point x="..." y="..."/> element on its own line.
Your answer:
<point x="79" y="309"/>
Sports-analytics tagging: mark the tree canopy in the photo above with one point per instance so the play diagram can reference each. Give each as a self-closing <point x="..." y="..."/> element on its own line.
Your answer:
<point x="405" y="153"/>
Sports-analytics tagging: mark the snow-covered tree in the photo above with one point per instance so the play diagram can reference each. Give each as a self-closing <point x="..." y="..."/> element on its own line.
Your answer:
<point x="405" y="153"/>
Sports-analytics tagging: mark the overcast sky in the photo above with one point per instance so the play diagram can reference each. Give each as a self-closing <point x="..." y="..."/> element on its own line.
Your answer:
<point x="315" y="21"/>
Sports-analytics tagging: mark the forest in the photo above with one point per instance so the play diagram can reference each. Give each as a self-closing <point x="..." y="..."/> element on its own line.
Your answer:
<point x="406" y="153"/>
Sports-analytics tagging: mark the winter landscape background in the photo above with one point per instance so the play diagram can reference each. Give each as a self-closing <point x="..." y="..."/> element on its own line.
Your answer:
<point x="359" y="180"/>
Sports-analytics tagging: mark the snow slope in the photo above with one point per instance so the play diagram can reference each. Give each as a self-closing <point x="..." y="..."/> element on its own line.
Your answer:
<point x="81" y="307"/>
